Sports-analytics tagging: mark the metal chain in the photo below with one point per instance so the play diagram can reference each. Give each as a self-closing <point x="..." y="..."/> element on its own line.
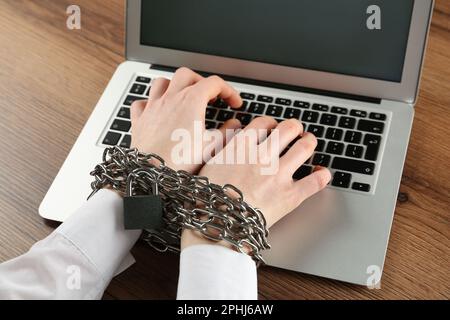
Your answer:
<point x="189" y="201"/>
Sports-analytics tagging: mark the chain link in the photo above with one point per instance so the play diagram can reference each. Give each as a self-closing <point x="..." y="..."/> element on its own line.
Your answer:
<point x="189" y="201"/>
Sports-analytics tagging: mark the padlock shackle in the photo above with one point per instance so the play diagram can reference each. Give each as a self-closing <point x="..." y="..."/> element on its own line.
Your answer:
<point x="139" y="172"/>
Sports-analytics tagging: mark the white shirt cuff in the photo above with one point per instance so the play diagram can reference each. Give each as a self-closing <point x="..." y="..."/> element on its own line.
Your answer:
<point x="216" y="272"/>
<point x="97" y="230"/>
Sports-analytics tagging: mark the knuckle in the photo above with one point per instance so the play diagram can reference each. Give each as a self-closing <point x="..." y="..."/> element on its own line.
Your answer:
<point x="215" y="79"/>
<point x="182" y="71"/>
<point x="293" y="125"/>
<point x="309" y="140"/>
<point x="159" y="80"/>
<point x="264" y="121"/>
<point x="322" y="180"/>
<point x="137" y="103"/>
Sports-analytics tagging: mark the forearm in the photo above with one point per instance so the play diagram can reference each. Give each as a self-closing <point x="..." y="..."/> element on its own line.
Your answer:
<point x="213" y="270"/>
<point x="76" y="261"/>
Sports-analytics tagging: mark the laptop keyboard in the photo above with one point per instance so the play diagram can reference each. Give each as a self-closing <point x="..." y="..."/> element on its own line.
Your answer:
<point x="350" y="140"/>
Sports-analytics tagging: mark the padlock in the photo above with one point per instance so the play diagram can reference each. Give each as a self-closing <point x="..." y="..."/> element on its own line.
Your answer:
<point x="142" y="211"/>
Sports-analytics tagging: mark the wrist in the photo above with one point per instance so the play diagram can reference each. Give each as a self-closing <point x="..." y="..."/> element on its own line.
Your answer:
<point x="191" y="237"/>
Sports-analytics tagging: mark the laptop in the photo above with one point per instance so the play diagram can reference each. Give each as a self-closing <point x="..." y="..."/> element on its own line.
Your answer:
<point x="348" y="70"/>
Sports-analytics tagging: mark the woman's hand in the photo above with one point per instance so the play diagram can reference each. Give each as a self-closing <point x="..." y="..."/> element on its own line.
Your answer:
<point x="275" y="194"/>
<point x="178" y="104"/>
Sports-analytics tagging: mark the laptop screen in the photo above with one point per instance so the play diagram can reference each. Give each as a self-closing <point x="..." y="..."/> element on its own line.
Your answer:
<point x="365" y="38"/>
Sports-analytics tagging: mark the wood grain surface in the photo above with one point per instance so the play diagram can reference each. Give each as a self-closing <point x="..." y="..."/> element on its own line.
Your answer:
<point x="52" y="77"/>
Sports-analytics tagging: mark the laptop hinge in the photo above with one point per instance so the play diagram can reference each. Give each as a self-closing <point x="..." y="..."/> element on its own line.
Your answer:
<point x="279" y="85"/>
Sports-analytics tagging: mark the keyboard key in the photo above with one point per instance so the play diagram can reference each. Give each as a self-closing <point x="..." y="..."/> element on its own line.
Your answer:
<point x="210" y="125"/>
<point x="248" y="96"/>
<point x="320" y="107"/>
<point x="316" y="130"/>
<point x="220" y="103"/>
<point x="284" y="102"/>
<point x="310" y="116"/>
<point x="353" y="137"/>
<point x="219" y="124"/>
<point x="351" y="165"/>
<point x="210" y="113"/>
<point x="320" y="145"/>
<point x="371" y="126"/>
<point x="354" y="151"/>
<point x="302" y="104"/>
<point x="341" y="179"/>
<point x="138" y="88"/>
<point x="334" y="134"/>
<point x="302" y="172"/>
<point x="328" y="119"/>
<point x="361" y="186"/>
<point x="335" y="148"/>
<point x="111" y="138"/>
<point x="377" y="116"/>
<point x="243" y="106"/>
<point x="148" y="91"/>
<point x="292" y="113"/>
<point x="321" y="159"/>
<point x="347" y="122"/>
<point x="130" y="99"/>
<point x="124" y="113"/>
<point x="244" y="118"/>
<point x="121" y="125"/>
<point x="358" y="113"/>
<point x="373" y="143"/>
<point x="143" y="79"/>
<point x="256" y="107"/>
<point x="266" y="99"/>
<point x="126" y="141"/>
<point x="225" y="115"/>
<point x="339" y="110"/>
<point x="274" y="111"/>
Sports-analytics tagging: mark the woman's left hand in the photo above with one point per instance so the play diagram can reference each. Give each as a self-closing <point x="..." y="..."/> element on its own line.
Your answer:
<point x="179" y="104"/>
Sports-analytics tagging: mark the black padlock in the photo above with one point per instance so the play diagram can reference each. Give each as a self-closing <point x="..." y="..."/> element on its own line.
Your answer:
<point x="142" y="211"/>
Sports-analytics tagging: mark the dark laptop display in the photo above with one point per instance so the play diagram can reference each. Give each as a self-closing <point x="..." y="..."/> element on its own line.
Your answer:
<point x="320" y="35"/>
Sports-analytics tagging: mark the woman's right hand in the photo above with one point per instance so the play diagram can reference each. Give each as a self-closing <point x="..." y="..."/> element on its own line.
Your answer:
<point x="275" y="194"/>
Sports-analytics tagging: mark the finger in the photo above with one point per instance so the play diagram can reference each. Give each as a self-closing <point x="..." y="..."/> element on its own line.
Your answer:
<point x="209" y="88"/>
<point x="301" y="151"/>
<point x="312" y="183"/>
<point x="227" y="131"/>
<point x="258" y="129"/>
<point x="182" y="79"/>
<point x="288" y="130"/>
<point x="230" y="124"/>
<point x="159" y="87"/>
<point x="137" y="107"/>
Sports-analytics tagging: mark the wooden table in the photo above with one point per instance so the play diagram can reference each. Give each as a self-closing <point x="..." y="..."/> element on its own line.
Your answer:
<point x="51" y="78"/>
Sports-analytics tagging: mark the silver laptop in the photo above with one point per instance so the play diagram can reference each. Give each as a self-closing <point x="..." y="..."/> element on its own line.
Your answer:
<point x="349" y="70"/>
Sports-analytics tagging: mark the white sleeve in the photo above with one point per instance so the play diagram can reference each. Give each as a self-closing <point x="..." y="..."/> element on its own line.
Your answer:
<point x="77" y="260"/>
<point x="216" y="272"/>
